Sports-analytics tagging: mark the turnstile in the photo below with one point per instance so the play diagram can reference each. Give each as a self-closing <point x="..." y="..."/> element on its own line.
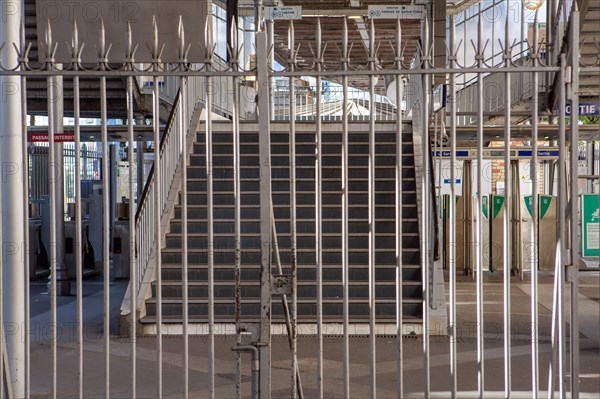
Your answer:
<point x="39" y="265"/>
<point x="482" y="211"/>
<point x="87" y="251"/>
<point x="461" y="234"/>
<point x="547" y="232"/>
<point x="120" y="249"/>
<point x="497" y="233"/>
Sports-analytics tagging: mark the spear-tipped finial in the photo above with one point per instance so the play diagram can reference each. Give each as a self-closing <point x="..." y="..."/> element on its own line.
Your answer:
<point x="128" y="40"/>
<point x="372" y="38"/>
<point x="48" y="37"/>
<point x="398" y="37"/>
<point x="479" y="33"/>
<point x="345" y="39"/>
<point x="233" y="36"/>
<point x="22" y="35"/>
<point x="75" y="39"/>
<point x="154" y="37"/>
<point x="208" y="39"/>
<point x="181" y="36"/>
<point x="319" y="38"/>
<point x="102" y="39"/>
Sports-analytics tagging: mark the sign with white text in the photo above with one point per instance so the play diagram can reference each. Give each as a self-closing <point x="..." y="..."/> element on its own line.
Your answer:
<point x="396" y="12"/>
<point x="58" y="137"/>
<point x="283" y="13"/>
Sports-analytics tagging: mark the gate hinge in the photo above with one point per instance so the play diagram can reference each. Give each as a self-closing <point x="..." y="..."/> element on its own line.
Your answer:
<point x="281" y="284"/>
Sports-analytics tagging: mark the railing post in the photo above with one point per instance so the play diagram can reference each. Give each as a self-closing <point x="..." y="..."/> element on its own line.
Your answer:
<point x="13" y="208"/>
<point x="264" y="143"/>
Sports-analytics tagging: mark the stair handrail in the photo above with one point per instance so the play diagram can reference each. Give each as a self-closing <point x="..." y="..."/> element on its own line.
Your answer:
<point x="145" y="217"/>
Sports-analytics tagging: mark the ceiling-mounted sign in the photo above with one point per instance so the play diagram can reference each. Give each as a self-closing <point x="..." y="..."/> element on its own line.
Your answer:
<point x="58" y="137"/>
<point x="395" y="12"/>
<point x="283" y="12"/>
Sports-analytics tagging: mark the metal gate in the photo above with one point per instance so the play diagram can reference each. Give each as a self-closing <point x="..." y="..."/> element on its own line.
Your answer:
<point x="203" y="85"/>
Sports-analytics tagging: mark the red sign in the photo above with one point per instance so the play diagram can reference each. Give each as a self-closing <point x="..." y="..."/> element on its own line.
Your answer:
<point x="58" y="137"/>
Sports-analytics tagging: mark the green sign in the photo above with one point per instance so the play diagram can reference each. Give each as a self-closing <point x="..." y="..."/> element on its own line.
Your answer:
<point x="545" y="201"/>
<point x="529" y="204"/>
<point x="485" y="206"/>
<point x="498" y="202"/>
<point x="590" y="225"/>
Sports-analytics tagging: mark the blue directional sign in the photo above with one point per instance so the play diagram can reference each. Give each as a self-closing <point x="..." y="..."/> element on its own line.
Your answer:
<point x="447" y="181"/>
<point x="585" y="109"/>
<point x="541" y="153"/>
<point x="447" y="154"/>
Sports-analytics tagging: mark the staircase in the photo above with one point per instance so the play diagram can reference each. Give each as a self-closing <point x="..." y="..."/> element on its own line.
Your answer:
<point x="37" y="97"/>
<point x="224" y="271"/>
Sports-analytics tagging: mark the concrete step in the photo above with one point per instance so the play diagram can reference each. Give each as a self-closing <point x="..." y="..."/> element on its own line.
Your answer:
<point x="304" y="138"/>
<point x="410" y="242"/>
<point x="306" y="290"/>
<point x="196" y="225"/>
<point x="282" y="186"/>
<point x="307" y="309"/>
<point x="306" y="174"/>
<point x="198" y="213"/>
<point x="222" y="196"/>
<point x="224" y="254"/>
<point x="411" y="273"/>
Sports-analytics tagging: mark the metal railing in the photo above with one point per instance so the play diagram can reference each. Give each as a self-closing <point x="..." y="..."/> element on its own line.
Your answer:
<point x="315" y="154"/>
<point x="358" y="104"/>
<point x="145" y="221"/>
<point x="38" y="169"/>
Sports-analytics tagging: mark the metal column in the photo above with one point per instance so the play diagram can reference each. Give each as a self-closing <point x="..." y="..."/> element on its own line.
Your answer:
<point x="12" y="273"/>
<point x="264" y="345"/>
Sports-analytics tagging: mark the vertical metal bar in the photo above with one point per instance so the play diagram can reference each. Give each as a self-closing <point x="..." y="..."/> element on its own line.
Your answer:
<point x="523" y="29"/>
<point x="53" y="219"/>
<point x="426" y="190"/>
<point x="345" y="195"/>
<point x="237" y="211"/>
<point x="372" y="247"/>
<point x="265" y="215"/>
<point x="506" y="236"/>
<point x="562" y="204"/>
<point x="319" y="217"/>
<point x="575" y="244"/>
<point x="132" y="241"/>
<point x="399" y="214"/>
<point x="293" y="224"/>
<point x="210" y="229"/>
<point x="452" y="209"/>
<point x="26" y="243"/>
<point x="535" y="375"/>
<point x="183" y="115"/>
<point x="158" y="230"/>
<point x="78" y="213"/>
<point x="479" y="213"/>
<point x="105" y="231"/>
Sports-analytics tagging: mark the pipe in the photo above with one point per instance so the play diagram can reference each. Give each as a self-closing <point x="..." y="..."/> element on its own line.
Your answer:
<point x="255" y="365"/>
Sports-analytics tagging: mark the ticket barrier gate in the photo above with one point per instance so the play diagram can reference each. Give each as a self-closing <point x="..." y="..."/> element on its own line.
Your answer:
<point x="120" y="248"/>
<point x="466" y="221"/>
<point x="39" y="265"/>
<point x="521" y="239"/>
<point x="462" y="231"/>
<point x="87" y="250"/>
